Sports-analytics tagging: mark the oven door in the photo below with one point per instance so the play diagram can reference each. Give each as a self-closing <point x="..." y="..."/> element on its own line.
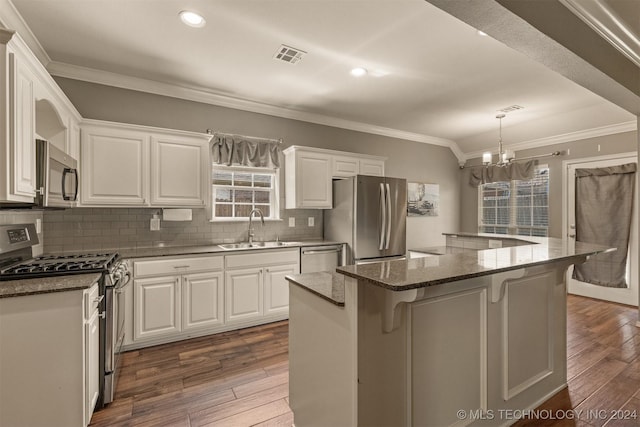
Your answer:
<point x="114" y="334"/>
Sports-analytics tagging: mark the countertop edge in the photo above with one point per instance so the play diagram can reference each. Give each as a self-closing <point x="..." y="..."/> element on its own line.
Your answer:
<point x="309" y="282"/>
<point x="457" y="277"/>
<point x="47" y="285"/>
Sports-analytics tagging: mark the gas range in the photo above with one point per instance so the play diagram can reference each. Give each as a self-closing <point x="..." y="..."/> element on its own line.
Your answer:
<point x="17" y="261"/>
<point x="53" y="265"/>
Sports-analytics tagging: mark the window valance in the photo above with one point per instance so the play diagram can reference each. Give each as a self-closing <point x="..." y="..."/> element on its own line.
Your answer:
<point x="494" y="173"/>
<point x="239" y="150"/>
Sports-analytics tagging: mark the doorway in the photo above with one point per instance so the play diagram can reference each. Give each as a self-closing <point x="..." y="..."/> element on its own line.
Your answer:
<point x="628" y="296"/>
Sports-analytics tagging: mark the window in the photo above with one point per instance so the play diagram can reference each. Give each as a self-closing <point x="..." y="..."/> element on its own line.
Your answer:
<point x="236" y="191"/>
<point x="516" y="207"/>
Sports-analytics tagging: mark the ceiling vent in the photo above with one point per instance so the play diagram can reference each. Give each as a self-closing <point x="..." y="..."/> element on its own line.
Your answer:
<point x="510" y="108"/>
<point x="289" y="54"/>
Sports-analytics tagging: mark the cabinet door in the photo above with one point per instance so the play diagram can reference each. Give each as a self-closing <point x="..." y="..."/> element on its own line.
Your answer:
<point x="371" y="167"/>
<point x="344" y="166"/>
<point x="313" y="181"/>
<point x="177" y="172"/>
<point x="276" y="288"/>
<point x="22" y="127"/>
<point x="243" y="294"/>
<point x="202" y="300"/>
<point x="114" y="167"/>
<point x="156" y="307"/>
<point x="91" y="365"/>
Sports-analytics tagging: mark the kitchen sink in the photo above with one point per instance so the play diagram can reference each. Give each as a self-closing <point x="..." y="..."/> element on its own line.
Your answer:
<point x="256" y="245"/>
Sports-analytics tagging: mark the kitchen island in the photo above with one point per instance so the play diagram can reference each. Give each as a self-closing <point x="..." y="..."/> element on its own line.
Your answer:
<point x="465" y="338"/>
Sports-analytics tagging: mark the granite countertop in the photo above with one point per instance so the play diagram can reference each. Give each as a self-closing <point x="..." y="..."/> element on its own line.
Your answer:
<point x="212" y="248"/>
<point x="442" y="250"/>
<point x="325" y="284"/>
<point x="415" y="273"/>
<point x="526" y="239"/>
<point x="45" y="285"/>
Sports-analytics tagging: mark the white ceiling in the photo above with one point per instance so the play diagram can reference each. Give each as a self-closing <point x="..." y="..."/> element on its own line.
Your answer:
<point x="439" y="81"/>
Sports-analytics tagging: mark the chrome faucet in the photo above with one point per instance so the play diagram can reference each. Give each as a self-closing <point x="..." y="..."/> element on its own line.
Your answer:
<point x="251" y="233"/>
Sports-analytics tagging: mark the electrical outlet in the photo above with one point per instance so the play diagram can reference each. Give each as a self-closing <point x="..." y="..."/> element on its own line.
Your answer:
<point x="154" y="224"/>
<point x="292" y="222"/>
<point x="311" y="221"/>
<point x="38" y="225"/>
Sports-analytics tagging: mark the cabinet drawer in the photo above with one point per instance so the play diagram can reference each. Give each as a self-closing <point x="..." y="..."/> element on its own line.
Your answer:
<point x="263" y="258"/>
<point x="176" y="266"/>
<point x="91" y="301"/>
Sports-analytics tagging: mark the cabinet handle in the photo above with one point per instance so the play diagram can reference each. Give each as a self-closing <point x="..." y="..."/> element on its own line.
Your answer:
<point x="266" y="269"/>
<point x="99" y="299"/>
<point x="103" y="315"/>
<point x="182" y="266"/>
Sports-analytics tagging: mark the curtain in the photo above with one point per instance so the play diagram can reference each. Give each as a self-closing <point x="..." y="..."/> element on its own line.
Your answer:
<point x="486" y="174"/>
<point x="238" y="150"/>
<point x="604" y="201"/>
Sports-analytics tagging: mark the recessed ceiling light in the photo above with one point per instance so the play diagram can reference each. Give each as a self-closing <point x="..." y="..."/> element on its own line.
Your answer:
<point x="192" y="19"/>
<point x="359" y="72"/>
<point x="482" y="33"/>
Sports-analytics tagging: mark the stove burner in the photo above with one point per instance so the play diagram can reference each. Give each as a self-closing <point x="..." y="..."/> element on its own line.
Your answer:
<point x="50" y="265"/>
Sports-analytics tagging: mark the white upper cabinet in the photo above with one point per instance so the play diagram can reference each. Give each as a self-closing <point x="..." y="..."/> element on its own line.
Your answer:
<point x="178" y="168"/>
<point x="130" y="165"/>
<point x="346" y="166"/>
<point x="114" y="166"/>
<point x="309" y="172"/>
<point x="31" y="106"/>
<point x="308" y="179"/>
<point x="22" y="126"/>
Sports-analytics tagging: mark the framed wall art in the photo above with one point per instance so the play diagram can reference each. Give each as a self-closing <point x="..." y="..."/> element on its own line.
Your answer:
<point x="423" y="199"/>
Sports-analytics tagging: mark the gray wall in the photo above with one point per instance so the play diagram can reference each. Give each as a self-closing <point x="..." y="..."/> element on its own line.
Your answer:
<point x="412" y="160"/>
<point x="612" y="144"/>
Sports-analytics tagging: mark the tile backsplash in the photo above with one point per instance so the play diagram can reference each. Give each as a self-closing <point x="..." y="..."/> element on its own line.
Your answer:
<point x="81" y="229"/>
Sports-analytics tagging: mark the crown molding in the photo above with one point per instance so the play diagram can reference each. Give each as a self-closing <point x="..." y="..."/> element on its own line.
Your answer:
<point x="606" y="22"/>
<point x="201" y="94"/>
<point x="629" y="126"/>
<point x="10" y="18"/>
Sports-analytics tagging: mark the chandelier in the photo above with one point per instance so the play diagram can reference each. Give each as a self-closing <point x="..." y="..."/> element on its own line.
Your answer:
<point x="504" y="156"/>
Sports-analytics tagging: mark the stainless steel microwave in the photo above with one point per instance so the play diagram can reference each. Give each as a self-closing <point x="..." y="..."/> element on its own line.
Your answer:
<point x="56" y="177"/>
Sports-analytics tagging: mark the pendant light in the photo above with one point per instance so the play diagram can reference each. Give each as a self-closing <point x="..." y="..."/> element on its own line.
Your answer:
<point x="504" y="156"/>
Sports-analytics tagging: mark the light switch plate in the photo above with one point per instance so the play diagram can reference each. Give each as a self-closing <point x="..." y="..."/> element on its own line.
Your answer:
<point x="292" y="222"/>
<point x="311" y="221"/>
<point x="38" y="225"/>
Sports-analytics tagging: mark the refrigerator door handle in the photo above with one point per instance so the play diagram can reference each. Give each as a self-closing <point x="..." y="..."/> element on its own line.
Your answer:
<point x="383" y="212"/>
<point x="388" y="216"/>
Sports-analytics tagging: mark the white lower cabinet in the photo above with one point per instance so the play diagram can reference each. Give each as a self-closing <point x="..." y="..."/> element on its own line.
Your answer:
<point x="174" y="298"/>
<point x="49" y="351"/>
<point x="91" y="350"/>
<point x="244" y="294"/>
<point x="256" y="288"/>
<point x="276" y="288"/>
<point x="202" y="300"/>
<point x="157" y="306"/>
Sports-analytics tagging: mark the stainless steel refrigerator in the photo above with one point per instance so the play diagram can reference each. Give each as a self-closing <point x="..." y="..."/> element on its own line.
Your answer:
<point x="369" y="214"/>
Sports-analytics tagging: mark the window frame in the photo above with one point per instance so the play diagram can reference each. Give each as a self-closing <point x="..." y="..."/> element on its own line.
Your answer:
<point x="275" y="192"/>
<point x="513" y="228"/>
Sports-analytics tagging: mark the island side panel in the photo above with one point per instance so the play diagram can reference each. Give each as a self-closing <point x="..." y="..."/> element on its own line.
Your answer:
<point x="509" y="327"/>
<point x="323" y="358"/>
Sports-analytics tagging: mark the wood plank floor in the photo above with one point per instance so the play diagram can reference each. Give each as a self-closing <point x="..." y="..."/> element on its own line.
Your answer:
<point x="240" y="378"/>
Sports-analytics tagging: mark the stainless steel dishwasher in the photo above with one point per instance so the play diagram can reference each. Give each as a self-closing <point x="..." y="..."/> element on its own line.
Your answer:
<point x="320" y="258"/>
